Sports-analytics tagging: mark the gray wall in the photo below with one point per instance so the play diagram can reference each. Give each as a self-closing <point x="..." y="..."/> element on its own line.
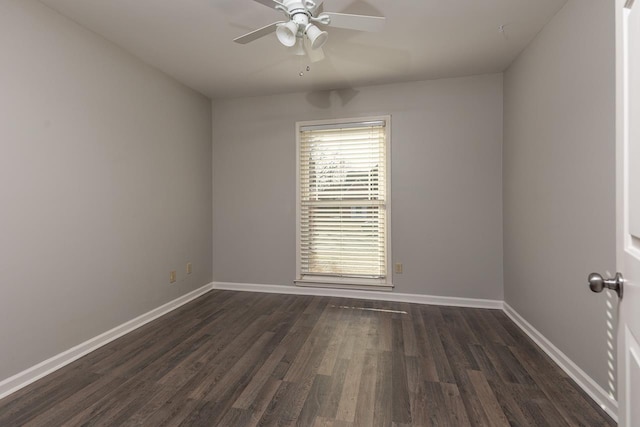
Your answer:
<point x="105" y="186"/>
<point x="446" y="182"/>
<point x="559" y="193"/>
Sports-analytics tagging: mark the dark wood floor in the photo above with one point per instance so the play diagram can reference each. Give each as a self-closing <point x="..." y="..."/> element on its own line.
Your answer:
<point x="242" y="359"/>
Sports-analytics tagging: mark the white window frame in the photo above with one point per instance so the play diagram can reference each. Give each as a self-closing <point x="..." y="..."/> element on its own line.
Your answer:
<point x="382" y="284"/>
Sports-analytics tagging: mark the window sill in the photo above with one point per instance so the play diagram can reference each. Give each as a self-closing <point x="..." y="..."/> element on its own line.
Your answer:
<point x="351" y="285"/>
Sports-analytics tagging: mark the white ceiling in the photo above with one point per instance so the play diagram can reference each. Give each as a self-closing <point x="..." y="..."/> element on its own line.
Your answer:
<point x="191" y="40"/>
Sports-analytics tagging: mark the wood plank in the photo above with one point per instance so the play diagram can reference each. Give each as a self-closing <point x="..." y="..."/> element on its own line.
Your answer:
<point x="400" y="388"/>
<point x="77" y="402"/>
<point x="258" y="381"/>
<point x="263" y="399"/>
<point x="119" y="405"/>
<point x="319" y="391"/>
<point x="512" y="399"/>
<point x="233" y="377"/>
<point x="383" y="411"/>
<point x="366" y="402"/>
<point x="488" y="399"/>
<point x="436" y="407"/>
<point x="151" y="408"/>
<point x="349" y="396"/>
<point x="418" y="395"/>
<point x="431" y="317"/>
<point x="331" y="355"/>
<point x="329" y="407"/>
<point x="457" y="415"/>
<point x="461" y="366"/>
<point x="428" y="370"/>
<point x="39" y="400"/>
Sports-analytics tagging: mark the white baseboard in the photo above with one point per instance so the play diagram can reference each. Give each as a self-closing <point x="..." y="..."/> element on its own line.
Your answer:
<point x="361" y="294"/>
<point x="28" y="376"/>
<point x="595" y="391"/>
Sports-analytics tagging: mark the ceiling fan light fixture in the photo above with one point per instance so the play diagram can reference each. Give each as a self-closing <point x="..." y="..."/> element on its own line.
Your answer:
<point x="316" y="36"/>
<point x="300" y="31"/>
<point x="287" y="33"/>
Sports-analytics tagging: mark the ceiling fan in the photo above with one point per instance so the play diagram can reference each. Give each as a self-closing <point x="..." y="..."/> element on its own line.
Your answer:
<point x="300" y="29"/>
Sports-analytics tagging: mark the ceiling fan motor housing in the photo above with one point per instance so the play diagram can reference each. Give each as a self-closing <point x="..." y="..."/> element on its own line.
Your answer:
<point x="300" y="18"/>
<point x="292" y="5"/>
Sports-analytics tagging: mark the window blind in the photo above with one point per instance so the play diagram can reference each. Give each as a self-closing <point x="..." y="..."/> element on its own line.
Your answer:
<point x="343" y="200"/>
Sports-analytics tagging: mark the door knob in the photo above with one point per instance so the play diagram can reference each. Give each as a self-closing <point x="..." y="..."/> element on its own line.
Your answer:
<point x="597" y="283"/>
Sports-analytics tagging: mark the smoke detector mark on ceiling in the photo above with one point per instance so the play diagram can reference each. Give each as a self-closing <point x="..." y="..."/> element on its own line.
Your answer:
<point x="502" y="30"/>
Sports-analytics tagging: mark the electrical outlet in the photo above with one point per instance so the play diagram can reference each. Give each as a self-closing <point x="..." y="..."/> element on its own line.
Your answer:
<point x="172" y="277"/>
<point x="399" y="268"/>
<point x="189" y="268"/>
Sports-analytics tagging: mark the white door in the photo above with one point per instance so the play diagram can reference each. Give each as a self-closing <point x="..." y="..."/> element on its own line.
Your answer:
<point x="628" y="209"/>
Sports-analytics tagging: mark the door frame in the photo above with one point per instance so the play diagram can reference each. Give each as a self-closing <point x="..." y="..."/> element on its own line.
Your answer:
<point x="622" y="199"/>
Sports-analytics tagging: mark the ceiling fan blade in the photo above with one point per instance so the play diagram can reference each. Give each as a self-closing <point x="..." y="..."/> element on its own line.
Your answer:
<point x="269" y="3"/>
<point x="356" y="22"/>
<point x="255" y="35"/>
<point x="318" y="9"/>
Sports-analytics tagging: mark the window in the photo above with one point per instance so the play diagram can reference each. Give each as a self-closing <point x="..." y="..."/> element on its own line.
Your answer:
<point x="343" y="194"/>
